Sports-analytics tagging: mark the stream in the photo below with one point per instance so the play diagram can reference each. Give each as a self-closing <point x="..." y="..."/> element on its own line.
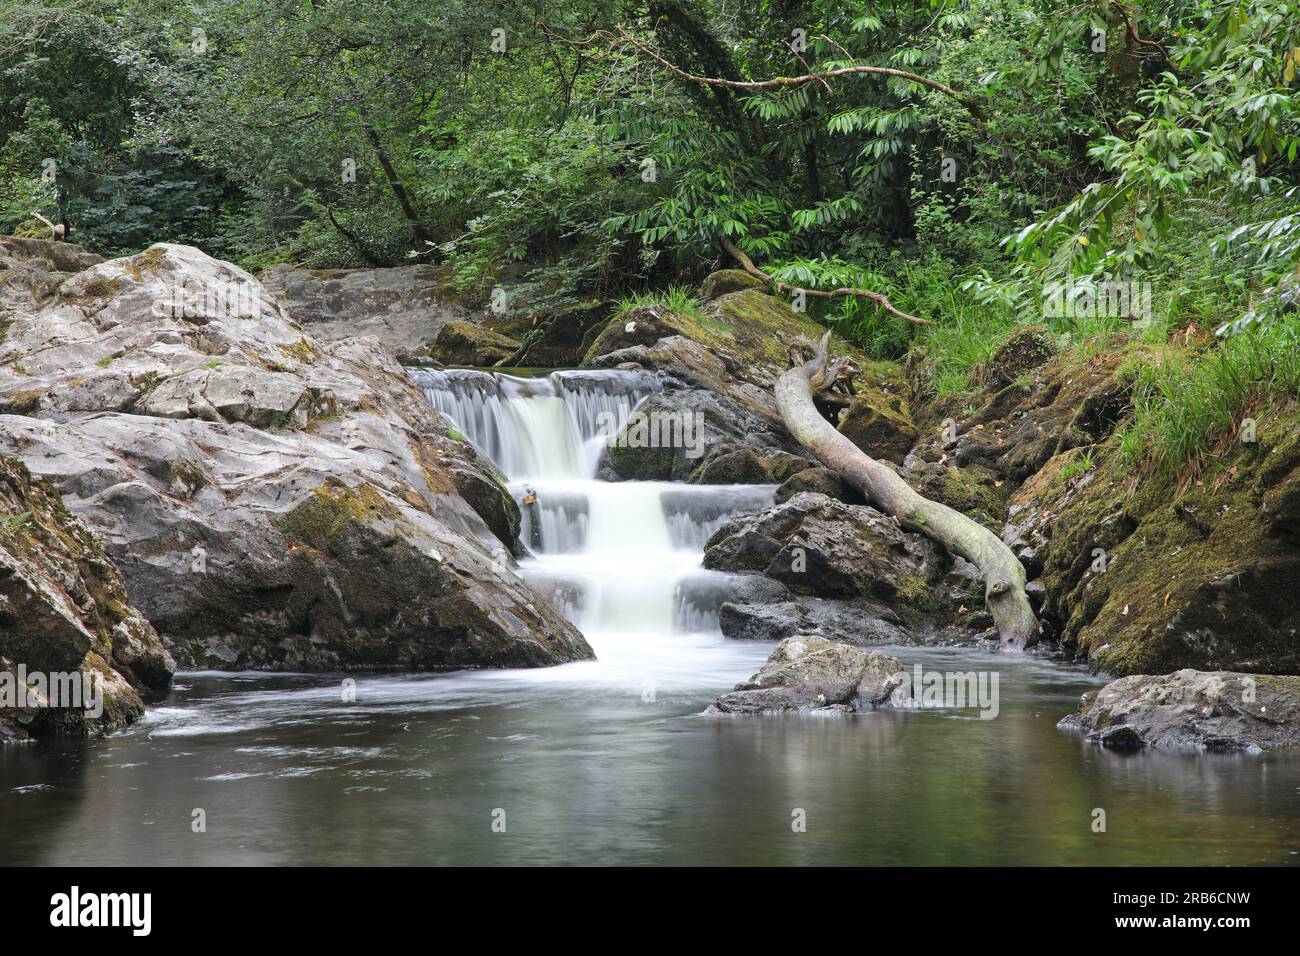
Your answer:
<point x="612" y="761"/>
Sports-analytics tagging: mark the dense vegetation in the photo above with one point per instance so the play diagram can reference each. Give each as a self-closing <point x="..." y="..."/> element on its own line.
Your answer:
<point x="582" y="147"/>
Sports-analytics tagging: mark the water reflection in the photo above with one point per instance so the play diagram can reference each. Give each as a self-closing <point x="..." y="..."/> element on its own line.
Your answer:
<point x="589" y="772"/>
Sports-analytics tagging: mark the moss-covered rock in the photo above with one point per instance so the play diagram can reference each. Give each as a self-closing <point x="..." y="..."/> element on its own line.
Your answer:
<point x="465" y="343"/>
<point x="820" y="481"/>
<point x="1143" y="576"/>
<point x="719" y="283"/>
<point x="878" y="419"/>
<point x="560" y="338"/>
<point x="737" y="345"/>
<point x="1024" y="351"/>
<point x="64" y="610"/>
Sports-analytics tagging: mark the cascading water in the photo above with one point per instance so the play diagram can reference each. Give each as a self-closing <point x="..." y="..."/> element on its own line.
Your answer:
<point x="622" y="560"/>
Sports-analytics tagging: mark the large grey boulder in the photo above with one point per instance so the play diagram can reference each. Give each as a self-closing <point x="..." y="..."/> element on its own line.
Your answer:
<point x="403" y="307"/>
<point x="809" y="674"/>
<point x="64" y="617"/>
<point x="1212" y="710"/>
<point x="273" y="501"/>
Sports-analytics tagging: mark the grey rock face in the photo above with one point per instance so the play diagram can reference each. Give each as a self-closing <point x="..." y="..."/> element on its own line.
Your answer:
<point x="272" y="500"/>
<point x="820" y="546"/>
<point x="848" y="622"/>
<point x="808" y="674"/>
<point x="64" y="611"/>
<point x="721" y="442"/>
<point x="1211" y="710"/>
<point x="403" y="307"/>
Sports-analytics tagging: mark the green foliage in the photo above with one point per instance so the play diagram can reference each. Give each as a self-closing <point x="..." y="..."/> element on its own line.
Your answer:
<point x="1184" y="404"/>
<point x="674" y="298"/>
<point x="573" y="163"/>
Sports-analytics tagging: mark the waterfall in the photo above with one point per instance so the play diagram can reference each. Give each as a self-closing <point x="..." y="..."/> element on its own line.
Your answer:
<point x="537" y="428"/>
<point x="622" y="560"/>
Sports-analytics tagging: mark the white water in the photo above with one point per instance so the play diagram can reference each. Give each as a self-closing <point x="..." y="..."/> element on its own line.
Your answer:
<point x="622" y="560"/>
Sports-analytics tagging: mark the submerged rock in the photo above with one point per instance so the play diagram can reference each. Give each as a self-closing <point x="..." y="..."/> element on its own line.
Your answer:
<point x="1213" y="710"/>
<point x="273" y="501"/>
<point x="64" y="610"/>
<point x="808" y="674"/>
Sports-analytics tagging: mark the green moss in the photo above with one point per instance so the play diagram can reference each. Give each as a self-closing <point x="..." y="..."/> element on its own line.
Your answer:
<point x="914" y="590"/>
<point x="302" y="350"/>
<point x="331" y="508"/>
<point x="22" y="402"/>
<point x="96" y="291"/>
<point x="1195" y="578"/>
<point x="146" y="261"/>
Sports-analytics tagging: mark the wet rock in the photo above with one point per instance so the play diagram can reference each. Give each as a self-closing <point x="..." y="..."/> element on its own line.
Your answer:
<point x="300" y="506"/>
<point x="700" y="436"/>
<point x="64" y="610"/>
<point x="464" y="343"/>
<point x="820" y="481"/>
<point x="819" y="546"/>
<point x="1215" y="710"/>
<point x="808" y="674"/>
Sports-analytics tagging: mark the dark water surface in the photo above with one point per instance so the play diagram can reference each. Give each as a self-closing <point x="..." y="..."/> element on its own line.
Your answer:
<point x="586" y="772"/>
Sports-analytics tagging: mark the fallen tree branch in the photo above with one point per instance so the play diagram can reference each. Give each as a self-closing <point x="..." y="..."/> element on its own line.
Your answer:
<point x="879" y="298"/>
<point x="626" y="39"/>
<point x="1004" y="577"/>
<point x="1139" y="41"/>
<point x="820" y="75"/>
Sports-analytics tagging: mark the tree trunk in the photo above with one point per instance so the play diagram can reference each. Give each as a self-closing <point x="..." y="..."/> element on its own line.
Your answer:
<point x="1004" y="577"/>
<point x="397" y="187"/>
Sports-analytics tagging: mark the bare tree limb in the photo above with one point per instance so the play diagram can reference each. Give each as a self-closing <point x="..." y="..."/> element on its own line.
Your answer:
<point x="626" y="39"/>
<point x="1004" y="576"/>
<point x="820" y="75"/>
<point x="879" y="298"/>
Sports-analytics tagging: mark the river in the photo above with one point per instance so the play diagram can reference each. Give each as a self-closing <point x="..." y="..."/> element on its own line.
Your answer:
<point x="615" y="761"/>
